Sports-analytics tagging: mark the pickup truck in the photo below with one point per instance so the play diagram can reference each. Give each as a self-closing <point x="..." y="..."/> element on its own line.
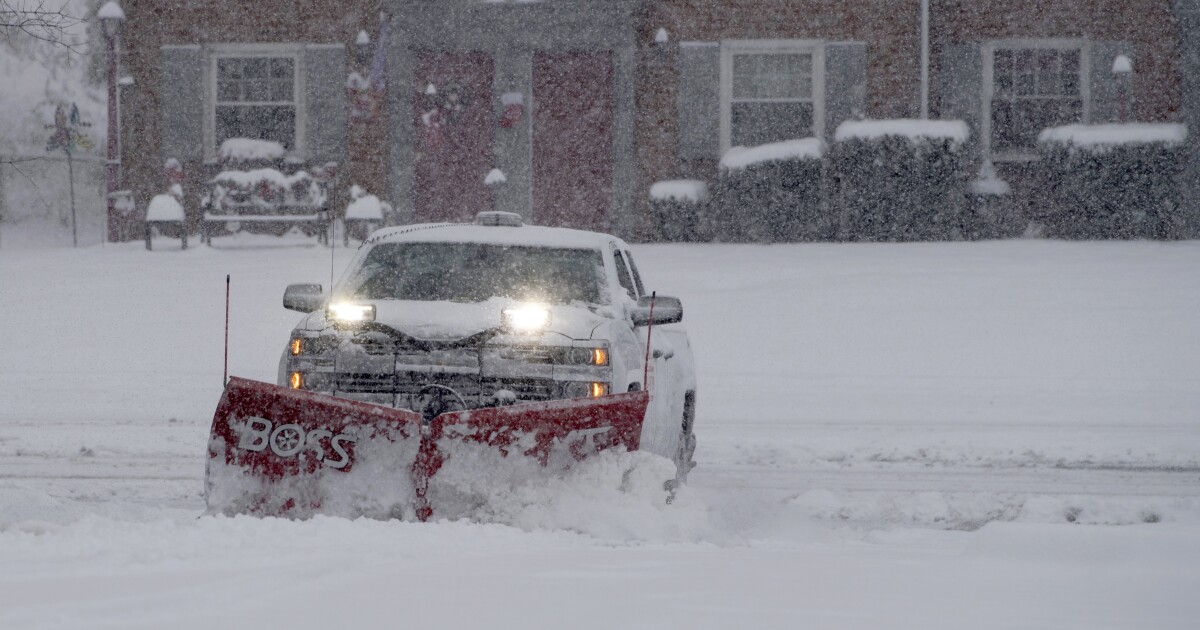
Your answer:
<point x="437" y="318"/>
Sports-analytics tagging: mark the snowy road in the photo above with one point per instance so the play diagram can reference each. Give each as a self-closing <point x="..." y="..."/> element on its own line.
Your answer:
<point x="932" y="436"/>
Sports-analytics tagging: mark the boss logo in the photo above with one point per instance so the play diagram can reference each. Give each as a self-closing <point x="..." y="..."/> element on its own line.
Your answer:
<point x="288" y="440"/>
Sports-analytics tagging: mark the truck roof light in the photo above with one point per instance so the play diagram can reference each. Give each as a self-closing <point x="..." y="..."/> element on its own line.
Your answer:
<point x="497" y="218"/>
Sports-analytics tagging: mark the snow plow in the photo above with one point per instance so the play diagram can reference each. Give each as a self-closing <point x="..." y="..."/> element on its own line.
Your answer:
<point x="452" y="364"/>
<point x="275" y="451"/>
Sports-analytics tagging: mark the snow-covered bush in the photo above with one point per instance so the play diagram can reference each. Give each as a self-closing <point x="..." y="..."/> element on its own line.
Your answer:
<point x="1114" y="180"/>
<point x="677" y="207"/>
<point x="771" y="193"/>
<point x="899" y="180"/>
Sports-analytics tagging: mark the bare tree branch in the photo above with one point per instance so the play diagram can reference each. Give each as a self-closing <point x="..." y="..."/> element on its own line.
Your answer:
<point x="33" y="18"/>
<point x="13" y="163"/>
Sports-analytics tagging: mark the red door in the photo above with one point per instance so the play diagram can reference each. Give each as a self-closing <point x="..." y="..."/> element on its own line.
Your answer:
<point x="453" y="140"/>
<point x="572" y="139"/>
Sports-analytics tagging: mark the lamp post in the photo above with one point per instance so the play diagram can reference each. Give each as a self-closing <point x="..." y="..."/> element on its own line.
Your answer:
<point x="111" y="16"/>
<point x="1122" y="69"/>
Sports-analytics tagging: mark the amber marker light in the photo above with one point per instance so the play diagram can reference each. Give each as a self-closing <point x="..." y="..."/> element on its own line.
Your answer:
<point x="599" y="389"/>
<point x="599" y="356"/>
<point x="296" y="380"/>
<point x="297" y="346"/>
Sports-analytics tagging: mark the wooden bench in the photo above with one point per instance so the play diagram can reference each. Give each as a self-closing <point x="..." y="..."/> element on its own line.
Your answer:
<point x="265" y="197"/>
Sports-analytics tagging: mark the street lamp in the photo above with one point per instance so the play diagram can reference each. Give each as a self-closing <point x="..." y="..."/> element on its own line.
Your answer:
<point x="1122" y="69"/>
<point x="111" y="16"/>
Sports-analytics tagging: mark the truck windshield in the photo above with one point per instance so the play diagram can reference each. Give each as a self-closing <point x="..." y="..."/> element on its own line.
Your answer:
<point x="476" y="272"/>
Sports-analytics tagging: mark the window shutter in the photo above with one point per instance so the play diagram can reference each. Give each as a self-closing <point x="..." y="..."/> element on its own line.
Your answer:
<point x="699" y="101"/>
<point x="962" y="86"/>
<point x="845" y="84"/>
<point x="325" y="103"/>
<point x="1102" y="84"/>
<point x="182" y="103"/>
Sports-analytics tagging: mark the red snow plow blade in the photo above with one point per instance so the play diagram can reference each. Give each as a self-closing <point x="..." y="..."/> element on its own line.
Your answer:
<point x="275" y="451"/>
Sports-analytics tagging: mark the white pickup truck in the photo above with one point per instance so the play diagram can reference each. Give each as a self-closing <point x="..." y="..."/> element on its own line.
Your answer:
<point x="445" y="317"/>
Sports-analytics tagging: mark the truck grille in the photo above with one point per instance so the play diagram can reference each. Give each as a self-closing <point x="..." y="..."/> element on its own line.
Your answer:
<point x="407" y="384"/>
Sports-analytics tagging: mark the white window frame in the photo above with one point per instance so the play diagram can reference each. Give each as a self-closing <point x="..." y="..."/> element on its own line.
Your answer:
<point x="989" y="87"/>
<point x="241" y="51"/>
<point x="731" y="47"/>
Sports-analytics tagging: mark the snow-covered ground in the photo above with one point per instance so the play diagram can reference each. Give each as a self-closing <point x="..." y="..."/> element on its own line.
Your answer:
<point x="968" y="435"/>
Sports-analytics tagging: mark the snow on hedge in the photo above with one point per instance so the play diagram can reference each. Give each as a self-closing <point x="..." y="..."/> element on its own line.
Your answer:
<point x="955" y="131"/>
<point x="1102" y="137"/>
<point x="246" y="149"/>
<point x="688" y="190"/>
<point x="743" y="157"/>
<point x="164" y="208"/>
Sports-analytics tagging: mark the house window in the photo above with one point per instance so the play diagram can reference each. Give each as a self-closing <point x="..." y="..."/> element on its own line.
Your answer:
<point x="1034" y="88"/>
<point x="770" y="92"/>
<point x="255" y="98"/>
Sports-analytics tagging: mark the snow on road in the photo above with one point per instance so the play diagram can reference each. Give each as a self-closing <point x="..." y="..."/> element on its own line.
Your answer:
<point x="927" y="435"/>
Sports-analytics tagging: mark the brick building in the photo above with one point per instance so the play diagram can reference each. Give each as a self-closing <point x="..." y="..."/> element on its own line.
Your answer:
<point x="584" y="103"/>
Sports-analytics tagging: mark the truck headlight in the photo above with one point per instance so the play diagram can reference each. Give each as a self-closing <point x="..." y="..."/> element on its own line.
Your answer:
<point x="586" y="356"/>
<point x="309" y="348"/>
<point x="312" y="381"/>
<point x="584" y="389"/>
<point x="350" y="313"/>
<point x="527" y="318"/>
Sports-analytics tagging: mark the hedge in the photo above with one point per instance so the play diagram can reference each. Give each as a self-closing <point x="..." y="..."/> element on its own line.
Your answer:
<point x="900" y="180"/>
<point x="1113" y="181"/>
<point x="772" y="193"/>
<point x="678" y="210"/>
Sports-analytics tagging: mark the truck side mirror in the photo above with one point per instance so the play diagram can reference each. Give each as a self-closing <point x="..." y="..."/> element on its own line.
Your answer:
<point x="306" y="298"/>
<point x="667" y="310"/>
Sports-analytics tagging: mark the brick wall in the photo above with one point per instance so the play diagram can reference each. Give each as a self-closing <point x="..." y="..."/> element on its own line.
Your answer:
<point x="891" y="29"/>
<point x="151" y="24"/>
<point x="1149" y="25"/>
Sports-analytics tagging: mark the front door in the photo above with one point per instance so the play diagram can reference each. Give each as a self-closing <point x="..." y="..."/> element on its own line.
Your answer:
<point x="453" y="126"/>
<point x="572" y="139"/>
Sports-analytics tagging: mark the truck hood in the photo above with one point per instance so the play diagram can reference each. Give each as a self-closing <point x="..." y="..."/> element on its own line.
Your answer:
<point x="448" y="321"/>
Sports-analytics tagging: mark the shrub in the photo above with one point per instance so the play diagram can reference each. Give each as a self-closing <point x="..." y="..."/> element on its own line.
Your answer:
<point x="900" y="180"/>
<point x="1114" y="181"/>
<point x="677" y="210"/>
<point x="772" y="193"/>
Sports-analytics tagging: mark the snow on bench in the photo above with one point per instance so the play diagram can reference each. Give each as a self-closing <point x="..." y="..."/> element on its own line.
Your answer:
<point x="280" y="218"/>
<point x="164" y="208"/>
<point x="264" y="195"/>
